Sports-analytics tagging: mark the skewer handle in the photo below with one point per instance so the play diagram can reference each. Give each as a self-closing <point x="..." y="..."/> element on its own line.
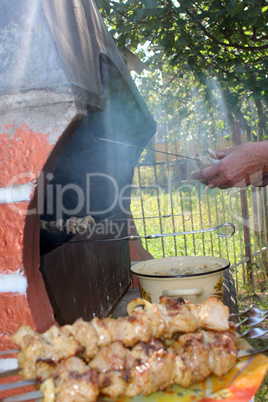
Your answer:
<point x="9" y="352"/>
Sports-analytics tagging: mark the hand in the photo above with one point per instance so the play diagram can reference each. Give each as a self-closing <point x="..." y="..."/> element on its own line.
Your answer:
<point x="238" y="166"/>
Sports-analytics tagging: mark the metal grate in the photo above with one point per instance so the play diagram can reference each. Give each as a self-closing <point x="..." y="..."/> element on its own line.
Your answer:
<point x="167" y="180"/>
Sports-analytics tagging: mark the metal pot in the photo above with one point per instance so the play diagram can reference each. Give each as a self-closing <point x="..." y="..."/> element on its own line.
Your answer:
<point x="155" y="279"/>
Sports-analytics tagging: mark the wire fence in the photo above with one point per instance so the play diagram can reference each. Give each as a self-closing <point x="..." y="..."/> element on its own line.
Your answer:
<point x="166" y="200"/>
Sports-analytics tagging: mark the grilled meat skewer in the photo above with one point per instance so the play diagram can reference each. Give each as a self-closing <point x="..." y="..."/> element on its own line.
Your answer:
<point x="147" y="367"/>
<point x="146" y="320"/>
<point x="122" y="356"/>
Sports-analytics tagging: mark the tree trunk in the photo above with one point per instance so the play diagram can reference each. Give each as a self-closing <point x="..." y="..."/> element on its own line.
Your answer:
<point x="262" y="120"/>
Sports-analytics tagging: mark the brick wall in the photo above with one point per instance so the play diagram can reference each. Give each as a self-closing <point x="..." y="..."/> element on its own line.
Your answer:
<point x="32" y="127"/>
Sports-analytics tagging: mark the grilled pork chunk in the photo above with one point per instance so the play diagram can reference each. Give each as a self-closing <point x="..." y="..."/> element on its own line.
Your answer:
<point x="73" y="387"/>
<point x="51" y="347"/>
<point x="47" y="370"/>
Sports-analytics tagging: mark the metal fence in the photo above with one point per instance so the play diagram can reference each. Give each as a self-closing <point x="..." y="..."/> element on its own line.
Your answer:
<point x="166" y="200"/>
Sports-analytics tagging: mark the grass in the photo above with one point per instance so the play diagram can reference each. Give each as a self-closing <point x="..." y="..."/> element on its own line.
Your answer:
<point x="206" y="209"/>
<point x="262" y="394"/>
<point x="191" y="211"/>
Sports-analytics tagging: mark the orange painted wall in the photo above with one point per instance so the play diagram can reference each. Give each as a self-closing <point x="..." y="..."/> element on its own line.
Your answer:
<point x="23" y="153"/>
<point x="11" y="237"/>
<point x="14" y="313"/>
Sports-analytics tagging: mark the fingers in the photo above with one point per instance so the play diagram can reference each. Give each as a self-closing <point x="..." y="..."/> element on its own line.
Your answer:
<point x="223" y="153"/>
<point x="206" y="174"/>
<point x="214" y="176"/>
<point x="217" y="182"/>
<point x="210" y="181"/>
<point x="261" y="181"/>
<point x="240" y="184"/>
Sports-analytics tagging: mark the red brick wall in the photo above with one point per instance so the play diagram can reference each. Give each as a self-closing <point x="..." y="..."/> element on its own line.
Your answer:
<point x="23" y="153"/>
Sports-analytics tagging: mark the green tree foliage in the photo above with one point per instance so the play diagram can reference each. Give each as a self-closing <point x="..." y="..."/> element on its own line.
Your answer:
<point x="200" y="45"/>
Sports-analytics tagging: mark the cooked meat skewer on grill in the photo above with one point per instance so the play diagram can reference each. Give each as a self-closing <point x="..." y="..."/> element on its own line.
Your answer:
<point x="122" y="357"/>
<point x="145" y="368"/>
<point x="146" y="320"/>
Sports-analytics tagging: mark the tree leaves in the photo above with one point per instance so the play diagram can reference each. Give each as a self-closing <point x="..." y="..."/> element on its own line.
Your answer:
<point x="150" y="3"/>
<point x="226" y="39"/>
<point x="238" y="8"/>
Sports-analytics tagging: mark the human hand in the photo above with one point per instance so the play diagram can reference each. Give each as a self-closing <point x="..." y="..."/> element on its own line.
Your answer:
<point x="238" y="166"/>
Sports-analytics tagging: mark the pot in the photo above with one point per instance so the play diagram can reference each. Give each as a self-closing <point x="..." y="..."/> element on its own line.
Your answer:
<point x="181" y="277"/>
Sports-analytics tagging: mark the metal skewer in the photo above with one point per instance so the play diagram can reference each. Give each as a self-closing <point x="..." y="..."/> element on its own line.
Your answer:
<point x="251" y="352"/>
<point x="160" y="235"/>
<point x="250" y="312"/>
<point x="34" y="395"/>
<point x="254" y="333"/>
<point x="156" y="217"/>
<point x="148" y="149"/>
<point x="250" y="321"/>
<point x="8" y="373"/>
<point x="17" y="384"/>
<point x="28" y="396"/>
<point x="9" y="352"/>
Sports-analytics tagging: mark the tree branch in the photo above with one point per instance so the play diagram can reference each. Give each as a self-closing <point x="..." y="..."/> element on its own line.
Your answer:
<point x="113" y="8"/>
<point x="227" y="45"/>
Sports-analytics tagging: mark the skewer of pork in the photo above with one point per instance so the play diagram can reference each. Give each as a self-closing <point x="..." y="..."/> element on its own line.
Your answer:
<point x="148" y="320"/>
<point x="152" y="366"/>
<point x="146" y="368"/>
<point x="145" y="321"/>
